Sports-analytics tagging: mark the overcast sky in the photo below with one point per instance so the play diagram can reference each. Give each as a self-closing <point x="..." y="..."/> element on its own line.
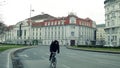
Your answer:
<point x="14" y="11"/>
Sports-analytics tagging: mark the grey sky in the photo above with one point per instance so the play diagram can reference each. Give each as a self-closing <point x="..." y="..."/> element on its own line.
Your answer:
<point x="18" y="10"/>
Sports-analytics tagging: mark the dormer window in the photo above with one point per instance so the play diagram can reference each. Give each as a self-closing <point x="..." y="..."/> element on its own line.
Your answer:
<point x="51" y="23"/>
<point x="48" y="23"/>
<point x="62" y="22"/>
<point x="55" y="23"/>
<point x="58" y="22"/>
<point x="72" y="20"/>
<point x="45" y="23"/>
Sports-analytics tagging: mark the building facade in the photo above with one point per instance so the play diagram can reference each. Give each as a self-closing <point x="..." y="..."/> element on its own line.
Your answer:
<point x="69" y="30"/>
<point x="112" y="21"/>
<point x="100" y="34"/>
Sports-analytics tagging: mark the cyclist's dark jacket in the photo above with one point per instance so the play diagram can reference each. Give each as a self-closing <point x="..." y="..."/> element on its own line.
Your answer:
<point x="54" y="47"/>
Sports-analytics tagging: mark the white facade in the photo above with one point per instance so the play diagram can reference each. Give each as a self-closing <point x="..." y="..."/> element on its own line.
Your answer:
<point x="100" y="34"/>
<point x="112" y="21"/>
<point x="69" y="30"/>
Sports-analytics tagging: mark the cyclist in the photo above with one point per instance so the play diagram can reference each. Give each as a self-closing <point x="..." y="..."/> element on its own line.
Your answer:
<point x="54" y="47"/>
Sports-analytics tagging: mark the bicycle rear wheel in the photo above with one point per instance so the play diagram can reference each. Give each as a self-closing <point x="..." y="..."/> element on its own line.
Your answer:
<point x="53" y="63"/>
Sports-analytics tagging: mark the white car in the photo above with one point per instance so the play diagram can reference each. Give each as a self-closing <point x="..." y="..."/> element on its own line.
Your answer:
<point x="108" y="45"/>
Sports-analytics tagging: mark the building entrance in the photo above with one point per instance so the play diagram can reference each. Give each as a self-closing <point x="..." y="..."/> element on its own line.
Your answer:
<point x="72" y="42"/>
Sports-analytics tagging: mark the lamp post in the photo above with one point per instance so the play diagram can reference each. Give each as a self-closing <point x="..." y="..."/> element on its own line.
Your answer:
<point x="30" y="27"/>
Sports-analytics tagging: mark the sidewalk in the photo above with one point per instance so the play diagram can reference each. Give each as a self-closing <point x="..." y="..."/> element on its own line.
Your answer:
<point x="102" y="51"/>
<point x="6" y="57"/>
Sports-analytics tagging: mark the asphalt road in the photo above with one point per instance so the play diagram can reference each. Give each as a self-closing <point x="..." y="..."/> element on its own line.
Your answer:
<point x="38" y="58"/>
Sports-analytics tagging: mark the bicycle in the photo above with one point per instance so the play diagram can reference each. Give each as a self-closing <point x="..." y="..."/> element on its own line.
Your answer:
<point x="53" y="60"/>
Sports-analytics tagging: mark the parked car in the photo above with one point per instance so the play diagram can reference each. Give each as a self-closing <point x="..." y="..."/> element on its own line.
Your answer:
<point x="108" y="45"/>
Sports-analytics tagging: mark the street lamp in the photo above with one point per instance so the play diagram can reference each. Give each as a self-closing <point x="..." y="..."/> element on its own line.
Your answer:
<point x="30" y="27"/>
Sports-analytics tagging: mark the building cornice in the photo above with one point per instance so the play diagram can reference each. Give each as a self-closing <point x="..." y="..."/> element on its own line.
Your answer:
<point x="106" y="1"/>
<point x="111" y="27"/>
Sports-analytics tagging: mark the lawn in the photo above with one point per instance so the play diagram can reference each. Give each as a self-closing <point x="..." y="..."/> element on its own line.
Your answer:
<point x="99" y="49"/>
<point x="5" y="47"/>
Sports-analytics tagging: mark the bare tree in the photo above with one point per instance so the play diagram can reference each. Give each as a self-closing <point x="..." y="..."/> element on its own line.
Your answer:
<point x="2" y="27"/>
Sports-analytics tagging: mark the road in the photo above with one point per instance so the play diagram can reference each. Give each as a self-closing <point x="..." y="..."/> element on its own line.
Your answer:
<point x="38" y="58"/>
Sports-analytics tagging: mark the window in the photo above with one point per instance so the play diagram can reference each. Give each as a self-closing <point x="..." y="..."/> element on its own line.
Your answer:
<point x="19" y="33"/>
<point x="33" y="33"/>
<point x="113" y="7"/>
<point x="45" y="23"/>
<point x="62" y="22"/>
<point x="107" y="9"/>
<point x="36" y="29"/>
<point x="40" y="33"/>
<point x="59" y="28"/>
<point x="36" y="33"/>
<point x="72" y="20"/>
<point x="72" y="33"/>
<point x="55" y="23"/>
<point x="82" y="23"/>
<point x="79" y="23"/>
<point x="108" y="24"/>
<point x="113" y="14"/>
<point x="73" y="27"/>
<point x="113" y="23"/>
<point x="115" y="38"/>
<point x="33" y="29"/>
<point x="51" y="23"/>
<point x="24" y="32"/>
<point x="108" y="38"/>
<point x="48" y="23"/>
<point x="108" y="17"/>
<point x="58" y="22"/>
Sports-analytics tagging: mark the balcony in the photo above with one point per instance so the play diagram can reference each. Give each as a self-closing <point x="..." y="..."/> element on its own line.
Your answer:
<point x="115" y="26"/>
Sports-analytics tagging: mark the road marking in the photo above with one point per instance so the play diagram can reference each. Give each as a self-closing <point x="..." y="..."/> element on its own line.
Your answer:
<point x="24" y="55"/>
<point x="9" y="57"/>
<point x="8" y="60"/>
<point x="66" y="66"/>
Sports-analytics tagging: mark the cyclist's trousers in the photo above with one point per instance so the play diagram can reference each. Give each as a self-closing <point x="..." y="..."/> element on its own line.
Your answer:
<point x="50" y="56"/>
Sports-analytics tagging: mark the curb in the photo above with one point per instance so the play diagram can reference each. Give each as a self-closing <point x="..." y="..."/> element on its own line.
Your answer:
<point x="93" y="50"/>
<point x="16" y="62"/>
<point x="6" y="57"/>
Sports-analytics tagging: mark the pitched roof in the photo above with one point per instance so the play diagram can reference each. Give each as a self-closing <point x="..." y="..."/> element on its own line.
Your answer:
<point x="43" y="16"/>
<point x="38" y="24"/>
<point x="66" y="21"/>
<point x="11" y="26"/>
